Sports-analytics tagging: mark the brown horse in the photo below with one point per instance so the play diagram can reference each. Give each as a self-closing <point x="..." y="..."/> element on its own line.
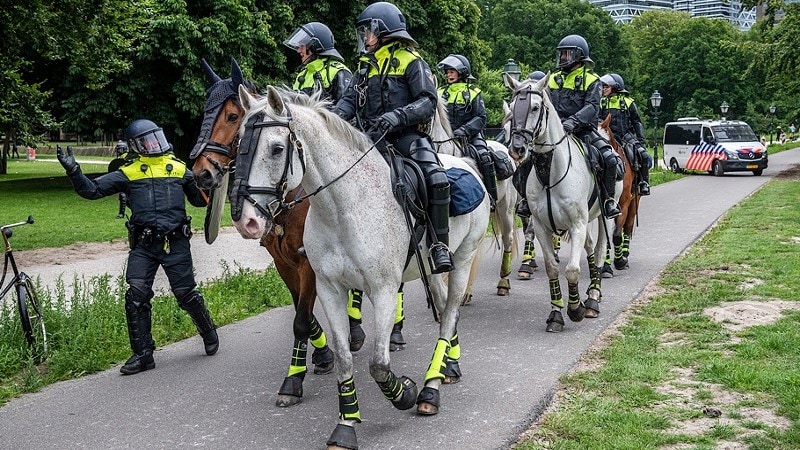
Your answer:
<point x="628" y="205"/>
<point x="214" y="153"/>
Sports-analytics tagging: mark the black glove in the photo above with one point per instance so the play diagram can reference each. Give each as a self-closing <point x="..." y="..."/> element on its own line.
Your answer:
<point x="569" y="125"/>
<point x="67" y="161"/>
<point x="459" y="133"/>
<point x="388" y="122"/>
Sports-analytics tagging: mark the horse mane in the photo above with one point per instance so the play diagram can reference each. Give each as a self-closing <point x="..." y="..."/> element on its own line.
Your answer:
<point x="444" y="119"/>
<point x="338" y="127"/>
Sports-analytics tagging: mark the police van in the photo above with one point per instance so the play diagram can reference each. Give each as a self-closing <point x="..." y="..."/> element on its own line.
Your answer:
<point x="715" y="146"/>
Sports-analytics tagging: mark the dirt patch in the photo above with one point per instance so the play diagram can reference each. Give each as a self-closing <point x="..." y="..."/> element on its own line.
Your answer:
<point x="790" y="174"/>
<point x="81" y="251"/>
<point x="736" y="316"/>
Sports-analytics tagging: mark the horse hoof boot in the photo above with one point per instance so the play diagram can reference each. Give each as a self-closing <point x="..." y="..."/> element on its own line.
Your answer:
<point x="607" y="271"/>
<point x="343" y="437"/>
<point x="396" y="340"/>
<point x="138" y="363"/>
<point x="592" y="308"/>
<point x="428" y="401"/>
<point x="503" y="287"/>
<point x="357" y="336"/>
<point x="291" y="392"/>
<point x="452" y="372"/>
<point x="408" y="398"/>
<point x="526" y="269"/>
<point x="555" y="323"/>
<point x="578" y="313"/>
<point x="322" y="358"/>
<point x="620" y="263"/>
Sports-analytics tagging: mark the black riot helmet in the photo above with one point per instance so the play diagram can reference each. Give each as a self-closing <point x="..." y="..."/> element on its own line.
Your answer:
<point x="459" y="63"/>
<point x="317" y="38"/>
<point x="615" y="81"/>
<point x="536" y="75"/>
<point x="121" y="148"/>
<point x="146" y="138"/>
<point x="384" y="20"/>
<point x="572" y="50"/>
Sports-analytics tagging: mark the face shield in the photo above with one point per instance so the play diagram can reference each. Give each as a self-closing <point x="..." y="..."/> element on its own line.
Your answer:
<point x="151" y="143"/>
<point x="367" y="36"/>
<point x="566" y="57"/>
<point x="298" y="38"/>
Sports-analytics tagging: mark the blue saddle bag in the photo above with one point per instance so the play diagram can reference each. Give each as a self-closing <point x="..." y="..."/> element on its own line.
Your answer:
<point x="466" y="193"/>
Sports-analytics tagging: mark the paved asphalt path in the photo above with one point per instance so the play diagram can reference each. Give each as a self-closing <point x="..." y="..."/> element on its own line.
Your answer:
<point x="510" y="364"/>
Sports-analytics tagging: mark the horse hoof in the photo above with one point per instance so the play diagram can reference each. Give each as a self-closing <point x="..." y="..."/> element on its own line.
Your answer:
<point x="291" y="392"/>
<point x="607" y="271"/>
<point x="621" y="263"/>
<point x="577" y="314"/>
<point x="592" y="308"/>
<point x="357" y="337"/>
<point x="526" y="270"/>
<point x="467" y="298"/>
<point x="555" y="323"/>
<point x="502" y="292"/>
<point x="322" y="358"/>
<point x="396" y="341"/>
<point x="343" y="437"/>
<point x="408" y="398"/>
<point x="428" y="401"/>
<point x="452" y="372"/>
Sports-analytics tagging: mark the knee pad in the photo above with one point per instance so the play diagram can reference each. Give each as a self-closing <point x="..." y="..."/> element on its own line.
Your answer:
<point x="436" y="179"/>
<point x="136" y="299"/>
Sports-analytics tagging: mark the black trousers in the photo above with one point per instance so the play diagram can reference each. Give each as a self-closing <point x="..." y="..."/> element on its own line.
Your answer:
<point x="144" y="260"/>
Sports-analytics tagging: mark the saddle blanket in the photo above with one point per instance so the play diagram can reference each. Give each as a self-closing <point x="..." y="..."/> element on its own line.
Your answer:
<point x="466" y="192"/>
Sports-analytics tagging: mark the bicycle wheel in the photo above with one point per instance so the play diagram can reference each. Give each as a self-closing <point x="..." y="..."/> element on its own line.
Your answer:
<point x="32" y="320"/>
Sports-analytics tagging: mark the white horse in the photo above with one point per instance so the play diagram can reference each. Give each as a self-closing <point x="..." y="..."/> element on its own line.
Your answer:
<point x="562" y="197"/>
<point x="356" y="235"/>
<point x="503" y="215"/>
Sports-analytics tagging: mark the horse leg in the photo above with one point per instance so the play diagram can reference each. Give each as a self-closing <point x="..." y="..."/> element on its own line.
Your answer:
<point x="528" y="265"/>
<point x="333" y="298"/>
<point x="619" y="239"/>
<point x="357" y="335"/>
<point x="594" y="293"/>
<point x="576" y="310"/>
<point x="396" y="340"/>
<point x="504" y="216"/>
<point x="444" y="360"/>
<point x="607" y="271"/>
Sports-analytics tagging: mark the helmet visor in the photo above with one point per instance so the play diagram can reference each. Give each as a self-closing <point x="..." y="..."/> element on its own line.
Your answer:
<point x="298" y="38"/>
<point x="567" y="56"/>
<point x="151" y="143"/>
<point x="367" y="34"/>
<point x="451" y="62"/>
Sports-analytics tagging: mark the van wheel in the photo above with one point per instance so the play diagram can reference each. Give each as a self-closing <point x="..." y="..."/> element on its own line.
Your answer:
<point x="716" y="168"/>
<point x="758" y="172"/>
<point x="673" y="166"/>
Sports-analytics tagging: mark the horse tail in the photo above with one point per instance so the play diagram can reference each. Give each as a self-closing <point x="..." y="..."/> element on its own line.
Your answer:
<point x="473" y="272"/>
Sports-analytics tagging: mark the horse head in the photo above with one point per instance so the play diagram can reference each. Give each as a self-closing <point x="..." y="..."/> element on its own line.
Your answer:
<point x="531" y="118"/>
<point x="222" y="117"/>
<point x="269" y="162"/>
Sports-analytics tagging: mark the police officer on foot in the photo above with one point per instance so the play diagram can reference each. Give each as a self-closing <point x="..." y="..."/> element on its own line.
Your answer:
<point x="626" y="124"/>
<point x="575" y="92"/>
<point x="322" y="65"/>
<point x="157" y="184"/>
<point x="391" y="93"/>
<point x="467" y="115"/>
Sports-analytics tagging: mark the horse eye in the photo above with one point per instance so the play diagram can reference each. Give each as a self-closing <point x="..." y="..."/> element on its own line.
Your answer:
<point x="233" y="117"/>
<point x="277" y="149"/>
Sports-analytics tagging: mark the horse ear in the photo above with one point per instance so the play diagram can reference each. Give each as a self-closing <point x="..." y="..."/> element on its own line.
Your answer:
<point x="212" y="77"/>
<point x="511" y="81"/>
<point x="506" y="108"/>
<point x="244" y="96"/>
<point x="274" y="99"/>
<point x="236" y="73"/>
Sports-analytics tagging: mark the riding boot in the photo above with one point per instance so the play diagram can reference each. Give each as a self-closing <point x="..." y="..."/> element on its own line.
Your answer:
<point x="137" y="316"/>
<point x="439" y="213"/>
<point x="489" y="177"/>
<point x="610" y="207"/>
<point x="194" y="304"/>
<point x="644" y="185"/>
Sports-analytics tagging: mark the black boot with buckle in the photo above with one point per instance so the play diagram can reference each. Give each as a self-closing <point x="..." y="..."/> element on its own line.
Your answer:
<point x="195" y="305"/>
<point x="137" y="316"/>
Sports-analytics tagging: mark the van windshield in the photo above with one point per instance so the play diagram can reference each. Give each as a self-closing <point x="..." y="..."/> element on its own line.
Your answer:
<point x="730" y="132"/>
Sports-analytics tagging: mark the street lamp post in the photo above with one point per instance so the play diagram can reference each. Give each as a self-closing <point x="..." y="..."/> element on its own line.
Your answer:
<point x="724" y="108"/>
<point x="772" y="109"/>
<point x="512" y="70"/>
<point x="655" y="102"/>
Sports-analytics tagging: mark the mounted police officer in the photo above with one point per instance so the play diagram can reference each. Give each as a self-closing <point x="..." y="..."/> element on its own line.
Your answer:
<point x="575" y="92"/>
<point x="322" y="65"/>
<point x="467" y="115"/>
<point x="157" y="184"/>
<point x="626" y="125"/>
<point x="391" y="94"/>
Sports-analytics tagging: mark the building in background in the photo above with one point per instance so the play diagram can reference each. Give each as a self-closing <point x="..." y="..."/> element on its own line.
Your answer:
<point x="730" y="10"/>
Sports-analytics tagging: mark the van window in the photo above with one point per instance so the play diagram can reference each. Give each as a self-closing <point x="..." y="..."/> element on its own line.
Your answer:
<point x="739" y="132"/>
<point x="708" y="137"/>
<point x="682" y="134"/>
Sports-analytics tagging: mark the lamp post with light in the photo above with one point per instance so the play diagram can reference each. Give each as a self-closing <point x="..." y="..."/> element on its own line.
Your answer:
<point x="724" y="108"/>
<point x="512" y="70"/>
<point x="772" y="109"/>
<point x="655" y="102"/>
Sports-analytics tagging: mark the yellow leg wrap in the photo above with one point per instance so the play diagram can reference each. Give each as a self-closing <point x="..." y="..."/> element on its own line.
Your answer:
<point x="399" y="314"/>
<point x="505" y="265"/>
<point x="556" y="242"/>
<point x="348" y="401"/>
<point x="555" y="294"/>
<point x="454" y="352"/>
<point x="320" y="341"/>
<point x="354" y="304"/>
<point x="298" y="364"/>
<point x="529" y="252"/>
<point x="436" y="368"/>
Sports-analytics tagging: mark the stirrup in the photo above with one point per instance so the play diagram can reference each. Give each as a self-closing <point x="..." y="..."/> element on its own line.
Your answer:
<point x="440" y="258"/>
